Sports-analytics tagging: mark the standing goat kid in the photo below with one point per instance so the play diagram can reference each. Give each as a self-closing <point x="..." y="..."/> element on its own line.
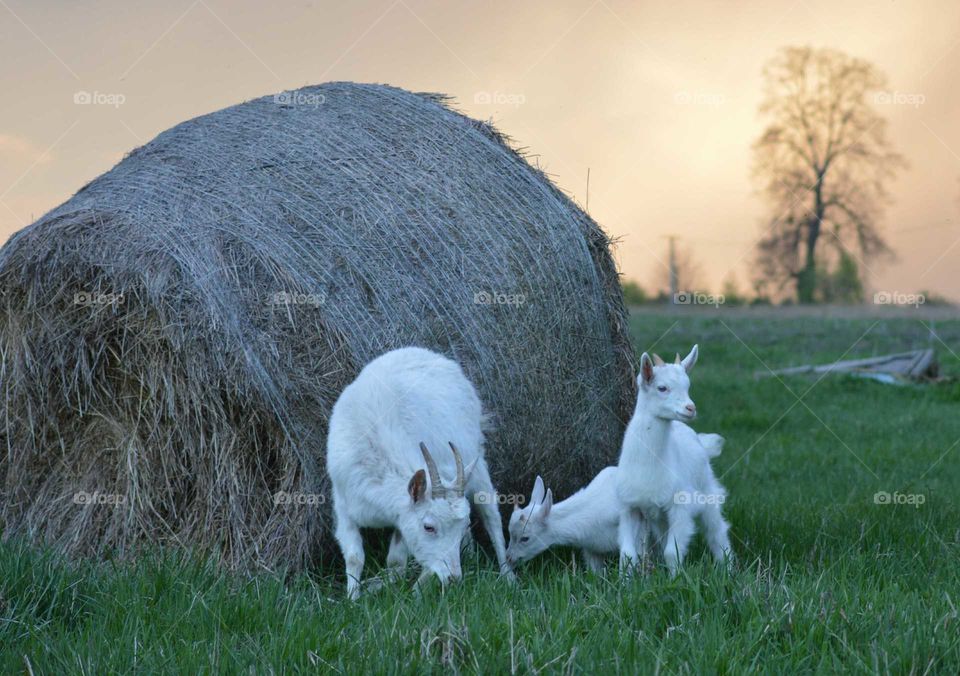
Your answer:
<point x="588" y="519"/>
<point x="665" y="479"/>
<point x="402" y="404"/>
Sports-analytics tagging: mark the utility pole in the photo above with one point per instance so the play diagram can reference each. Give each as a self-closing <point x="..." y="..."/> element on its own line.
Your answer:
<point x="673" y="268"/>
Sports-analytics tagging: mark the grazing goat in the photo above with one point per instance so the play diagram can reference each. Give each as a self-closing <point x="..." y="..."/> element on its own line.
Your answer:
<point x="402" y="404"/>
<point x="665" y="479"/>
<point x="588" y="519"/>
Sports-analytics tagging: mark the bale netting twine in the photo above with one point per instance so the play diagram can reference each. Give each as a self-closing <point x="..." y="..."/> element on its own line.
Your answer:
<point x="173" y="337"/>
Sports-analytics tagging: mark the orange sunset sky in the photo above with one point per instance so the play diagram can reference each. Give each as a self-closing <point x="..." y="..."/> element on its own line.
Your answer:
<point x="658" y="100"/>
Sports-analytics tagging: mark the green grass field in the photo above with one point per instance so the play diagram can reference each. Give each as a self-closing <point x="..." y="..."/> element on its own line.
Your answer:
<point x="827" y="579"/>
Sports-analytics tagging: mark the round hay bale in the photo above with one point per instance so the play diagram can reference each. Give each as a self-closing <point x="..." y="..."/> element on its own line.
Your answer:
<point x="174" y="336"/>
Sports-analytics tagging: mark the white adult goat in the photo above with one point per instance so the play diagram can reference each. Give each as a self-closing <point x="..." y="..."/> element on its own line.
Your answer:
<point x="588" y="519"/>
<point x="664" y="477"/>
<point x="400" y="405"/>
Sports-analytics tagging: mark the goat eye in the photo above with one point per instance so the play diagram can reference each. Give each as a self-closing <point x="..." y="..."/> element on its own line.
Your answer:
<point x="662" y="388"/>
<point x="430" y="529"/>
<point x="524" y="539"/>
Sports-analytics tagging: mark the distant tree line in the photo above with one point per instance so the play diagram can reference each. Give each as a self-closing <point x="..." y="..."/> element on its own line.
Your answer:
<point x="840" y="285"/>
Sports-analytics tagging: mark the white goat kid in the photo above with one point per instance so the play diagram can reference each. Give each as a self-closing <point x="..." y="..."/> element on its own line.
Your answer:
<point x="400" y="405"/>
<point x="588" y="519"/>
<point x="665" y="479"/>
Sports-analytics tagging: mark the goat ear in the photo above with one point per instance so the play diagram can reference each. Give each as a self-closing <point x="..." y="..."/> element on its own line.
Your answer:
<point x="538" y="490"/>
<point x="469" y="470"/>
<point x="417" y="488"/>
<point x="547" y="505"/>
<point x="690" y="359"/>
<point x="646" y="369"/>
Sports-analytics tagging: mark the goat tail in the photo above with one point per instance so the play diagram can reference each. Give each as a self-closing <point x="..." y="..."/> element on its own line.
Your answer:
<point x="712" y="444"/>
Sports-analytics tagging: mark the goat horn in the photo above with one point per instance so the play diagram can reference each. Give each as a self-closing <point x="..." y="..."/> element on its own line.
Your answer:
<point x="657" y="361"/>
<point x="677" y="360"/>
<point x="460" y="487"/>
<point x="436" y="488"/>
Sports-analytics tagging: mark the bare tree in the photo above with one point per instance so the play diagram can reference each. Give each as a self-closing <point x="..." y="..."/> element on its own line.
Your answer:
<point x="823" y="161"/>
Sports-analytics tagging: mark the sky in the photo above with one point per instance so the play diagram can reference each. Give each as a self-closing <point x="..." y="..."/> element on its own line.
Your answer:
<point x="657" y="100"/>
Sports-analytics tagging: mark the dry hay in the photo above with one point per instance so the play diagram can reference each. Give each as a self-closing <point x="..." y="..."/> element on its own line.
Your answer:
<point x="173" y="337"/>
